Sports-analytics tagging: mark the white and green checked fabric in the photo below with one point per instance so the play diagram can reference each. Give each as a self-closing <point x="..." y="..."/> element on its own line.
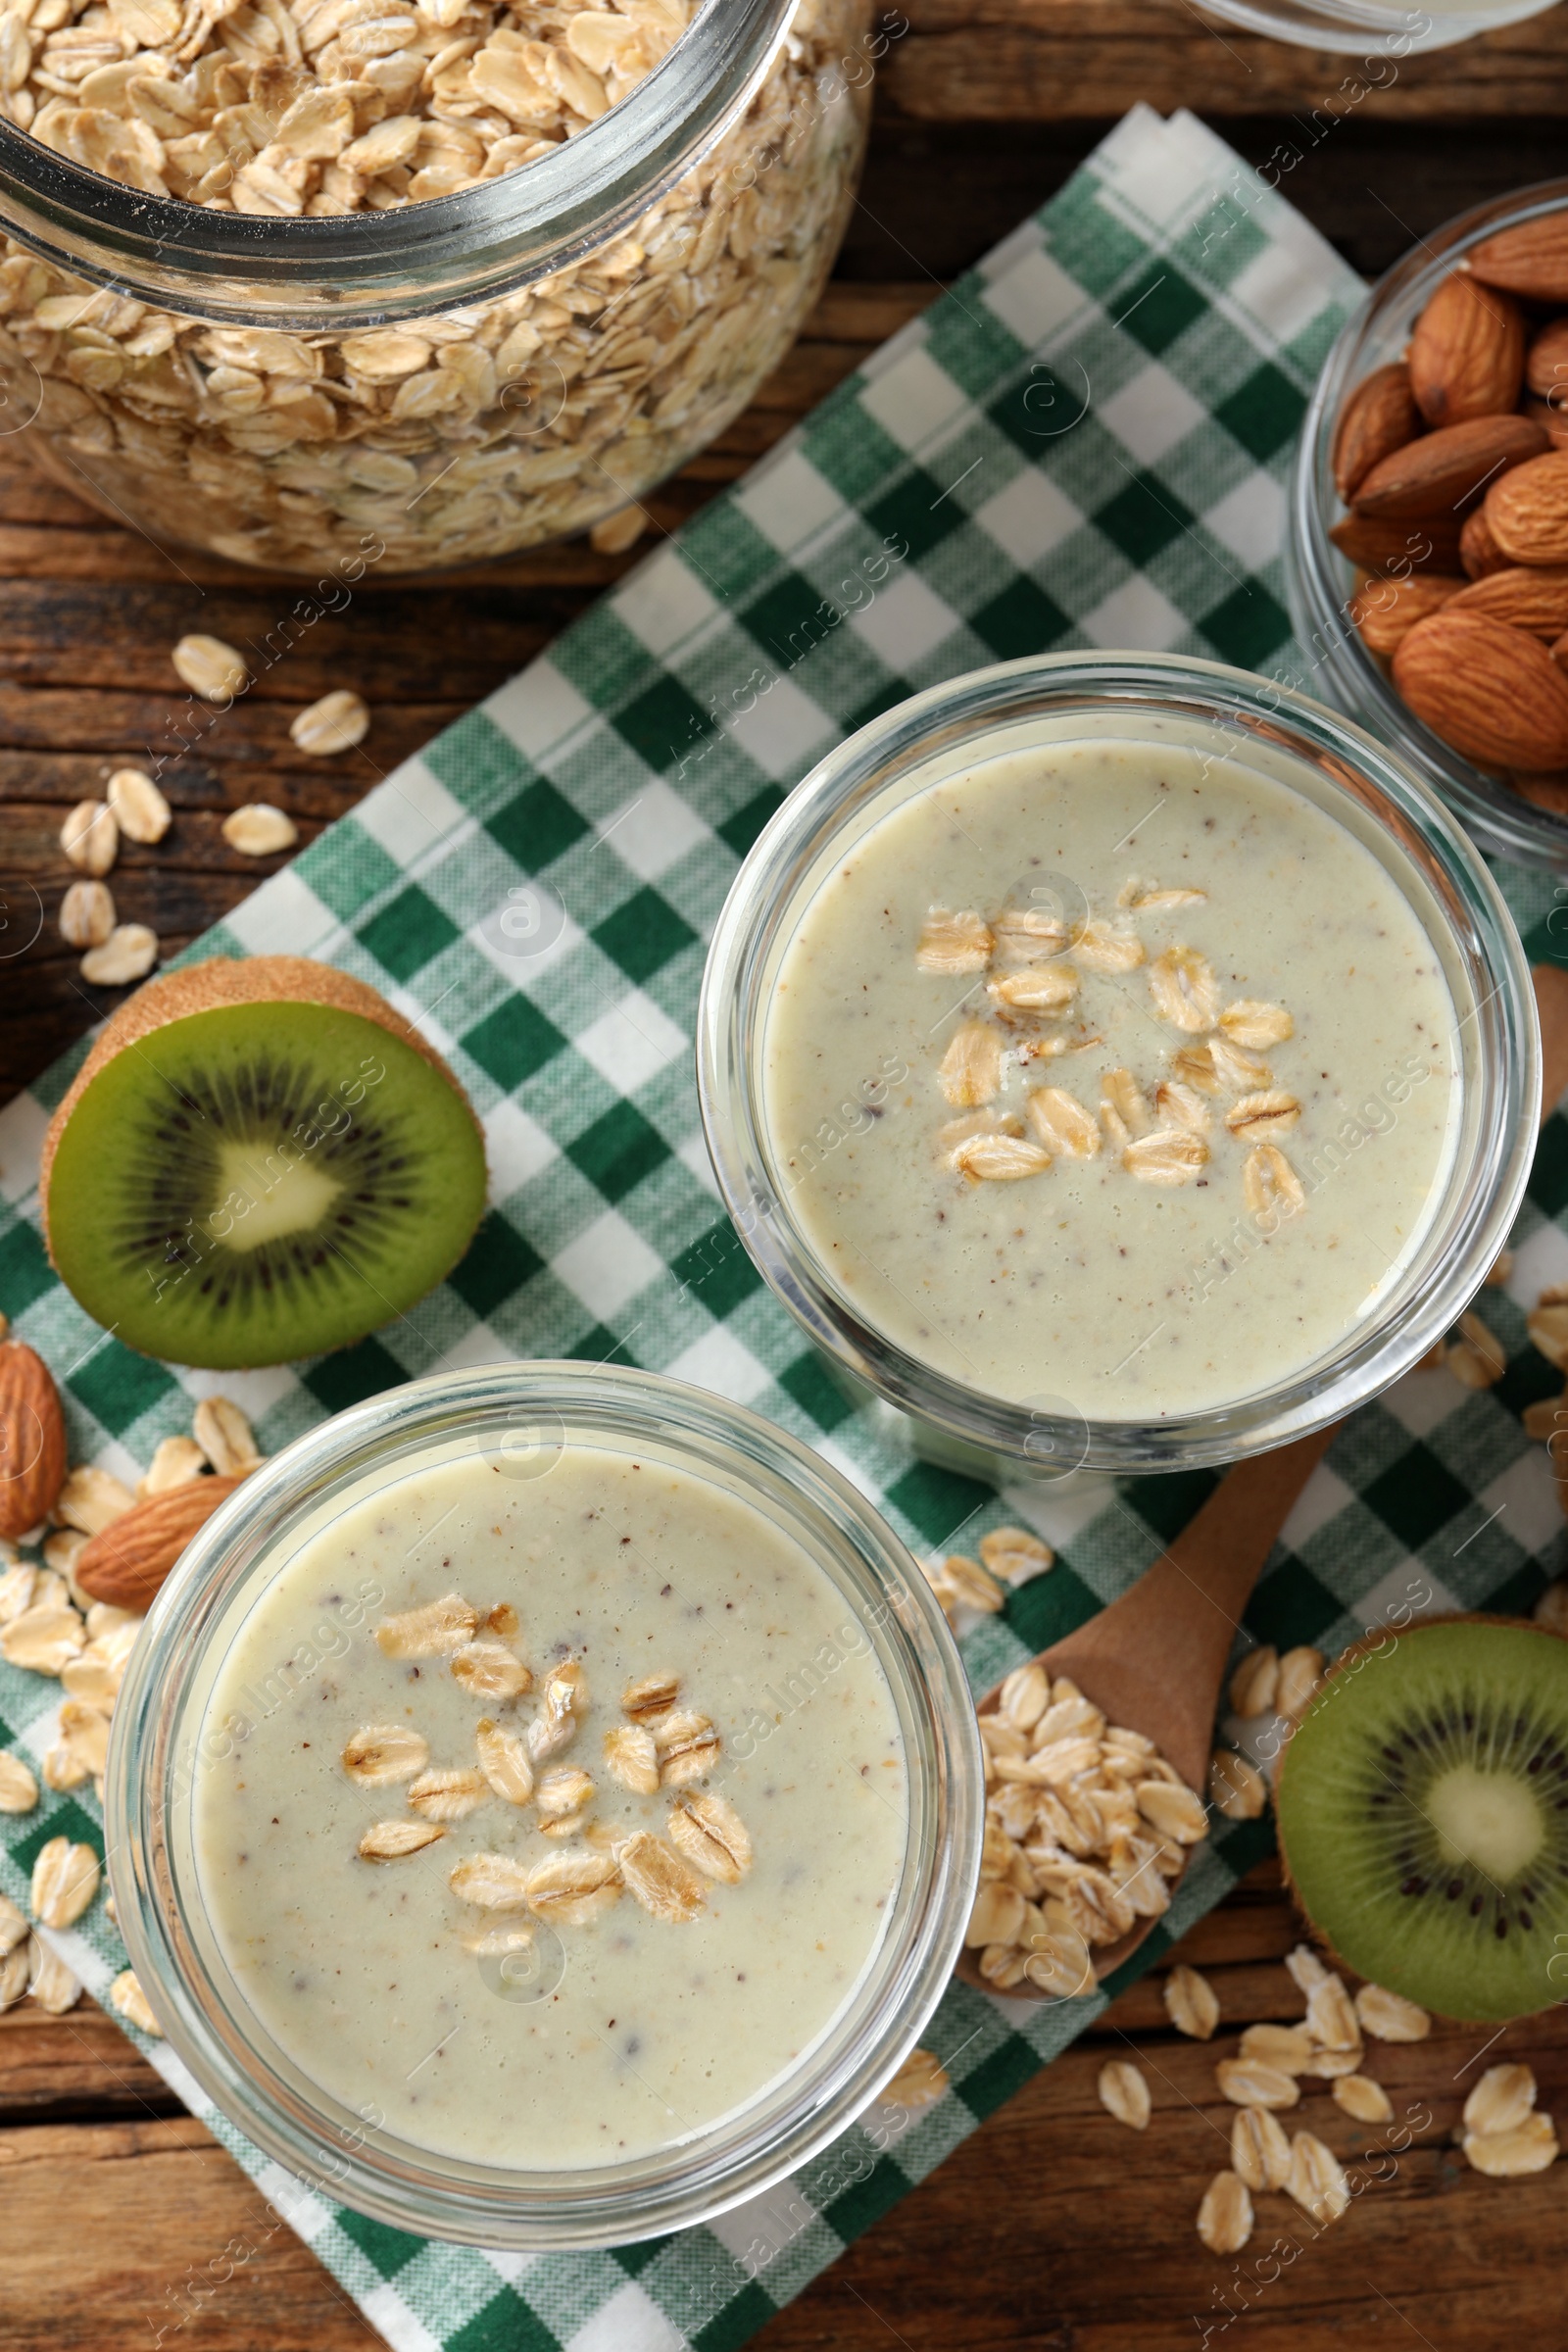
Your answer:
<point x="1086" y="442"/>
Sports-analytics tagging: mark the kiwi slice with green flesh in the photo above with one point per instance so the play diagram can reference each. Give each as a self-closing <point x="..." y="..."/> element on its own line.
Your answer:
<point x="1423" y="1815"/>
<point x="259" y="1160"/>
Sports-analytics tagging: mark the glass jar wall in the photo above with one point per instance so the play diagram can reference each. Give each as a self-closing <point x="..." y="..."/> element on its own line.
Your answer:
<point x="441" y="377"/>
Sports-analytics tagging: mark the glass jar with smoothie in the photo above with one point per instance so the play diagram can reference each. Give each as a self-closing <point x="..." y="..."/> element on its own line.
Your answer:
<point x="1118" y="1061"/>
<point x="545" y="1808"/>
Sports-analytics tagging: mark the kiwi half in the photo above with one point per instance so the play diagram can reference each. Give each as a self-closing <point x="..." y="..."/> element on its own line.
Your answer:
<point x="1423" y="1815"/>
<point x="258" y="1160"/>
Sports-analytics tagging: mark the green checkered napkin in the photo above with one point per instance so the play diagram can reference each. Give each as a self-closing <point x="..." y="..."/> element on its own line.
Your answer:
<point x="1086" y="442"/>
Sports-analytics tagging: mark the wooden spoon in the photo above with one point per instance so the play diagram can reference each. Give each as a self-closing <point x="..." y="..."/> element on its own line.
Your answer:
<point x="1154" y="1659"/>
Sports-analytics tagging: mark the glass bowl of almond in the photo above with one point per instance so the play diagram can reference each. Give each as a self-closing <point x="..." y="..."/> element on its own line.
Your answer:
<point x="545" y="1808"/>
<point x="1428" y="541"/>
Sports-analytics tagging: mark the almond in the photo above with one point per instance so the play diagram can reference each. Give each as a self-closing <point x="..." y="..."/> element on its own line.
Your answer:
<point x="1492" y="692"/>
<point x="1528" y="510"/>
<point x="1432" y="477"/>
<point x="1529" y="596"/>
<point x="1386" y="610"/>
<point x="1551" y="414"/>
<point x="1467" y="354"/>
<point x="1544" y="792"/>
<point x="33" y="1439"/>
<point x="127" y="1562"/>
<point x="1530" y="261"/>
<point x="1547" y="366"/>
<point x="1379" y="417"/>
<point x="1398" y="546"/>
<point x="1478" y="551"/>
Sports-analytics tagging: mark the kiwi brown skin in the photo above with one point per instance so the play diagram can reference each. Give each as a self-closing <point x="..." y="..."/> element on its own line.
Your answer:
<point x="209" y="987"/>
<point x="230" y="980"/>
<point x="1342" y="1665"/>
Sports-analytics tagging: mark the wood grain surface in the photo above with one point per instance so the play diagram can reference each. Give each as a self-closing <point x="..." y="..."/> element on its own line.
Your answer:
<point x="1053" y="2229"/>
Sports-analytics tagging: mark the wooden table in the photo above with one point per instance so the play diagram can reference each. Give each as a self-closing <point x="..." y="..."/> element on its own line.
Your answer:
<point x="1053" y="2227"/>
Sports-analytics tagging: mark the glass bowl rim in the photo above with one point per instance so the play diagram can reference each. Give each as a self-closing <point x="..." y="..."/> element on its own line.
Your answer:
<point x="1499" y="816"/>
<point x="872" y="2034"/>
<point x="1034" y="1442"/>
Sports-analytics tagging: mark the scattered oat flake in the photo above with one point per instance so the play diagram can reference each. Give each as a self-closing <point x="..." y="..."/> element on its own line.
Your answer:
<point x="1261" y="2152"/>
<point x="1250" y="2083"/>
<point x="259" y="830"/>
<point x="972" y="1584"/>
<point x="129" y="954"/>
<point x="1236" y="1786"/>
<point x="1501" y="2100"/>
<point x="336" y="723"/>
<point x="1367" y="2101"/>
<point x="225" y="1436"/>
<point x="1286" y="2047"/>
<point x="87" y="916"/>
<point x="1191" y="2003"/>
<point x="1225" y="2215"/>
<point x="52" y="1984"/>
<point x="1318" y="2182"/>
<point x="126" y="1997"/>
<point x="1174" y="1809"/>
<point x="90" y="837"/>
<point x="1107" y="947"/>
<point x="1024" y="1698"/>
<point x="1015" y="1555"/>
<point x="19" y="1791"/>
<point x="574" y="1887"/>
<point x="175" y="1462"/>
<point x="1254" y="1682"/>
<point x="140" y="810"/>
<point x="1300" y="1679"/>
<point x="1529" y="2147"/>
<point x="1389" y="2017"/>
<point x="1331" y="2018"/>
<point x="918" y="2083"/>
<point x="1124" y="2090"/>
<point x="210" y="669"/>
<point x="64" y="1881"/>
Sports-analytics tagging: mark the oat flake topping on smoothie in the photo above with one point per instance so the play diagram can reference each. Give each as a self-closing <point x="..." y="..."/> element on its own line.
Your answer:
<point x="1116" y="1075"/>
<point x="571" y="1869"/>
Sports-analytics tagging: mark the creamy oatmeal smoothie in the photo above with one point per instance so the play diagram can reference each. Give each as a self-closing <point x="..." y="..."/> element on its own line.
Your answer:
<point x="1114" y="1072"/>
<point x="562" y="1814"/>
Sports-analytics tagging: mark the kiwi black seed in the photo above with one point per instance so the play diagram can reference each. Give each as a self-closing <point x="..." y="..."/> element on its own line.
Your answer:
<point x="1423" y="1815"/>
<point x="255" y="1177"/>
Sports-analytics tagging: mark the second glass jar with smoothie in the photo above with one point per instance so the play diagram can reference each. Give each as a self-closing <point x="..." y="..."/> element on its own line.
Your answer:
<point x="1118" y="1061"/>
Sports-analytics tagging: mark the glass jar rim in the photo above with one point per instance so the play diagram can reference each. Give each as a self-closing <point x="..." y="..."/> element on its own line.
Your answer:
<point x="789" y="2122"/>
<point x="365" y="269"/>
<point x="1501" y="819"/>
<point x="1486" y="1193"/>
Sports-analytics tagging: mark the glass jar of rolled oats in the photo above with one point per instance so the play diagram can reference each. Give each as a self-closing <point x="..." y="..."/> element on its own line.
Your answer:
<point x="413" y="281"/>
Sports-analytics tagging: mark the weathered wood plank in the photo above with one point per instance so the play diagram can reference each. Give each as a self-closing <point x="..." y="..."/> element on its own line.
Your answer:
<point x="1064" y="60"/>
<point x="1053" y="2227"/>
